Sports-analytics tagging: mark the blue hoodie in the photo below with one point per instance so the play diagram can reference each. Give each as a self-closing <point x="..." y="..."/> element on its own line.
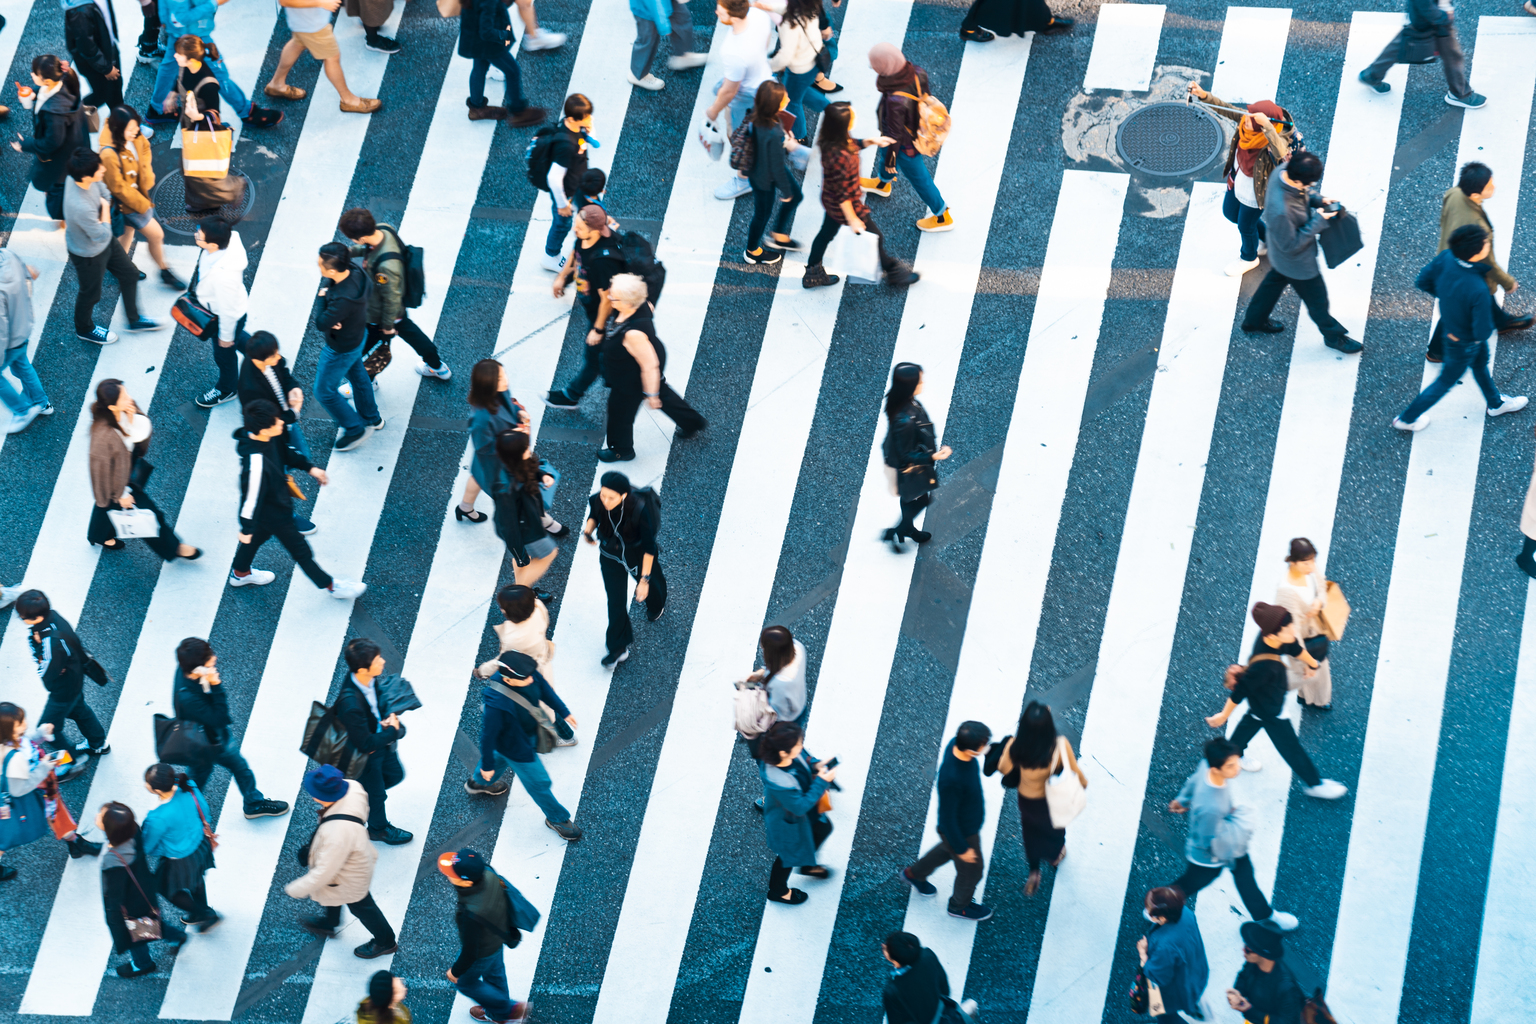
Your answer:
<point x="188" y="18"/>
<point x="1466" y="307"/>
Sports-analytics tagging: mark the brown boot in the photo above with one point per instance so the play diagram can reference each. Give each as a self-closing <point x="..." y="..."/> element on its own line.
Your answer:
<point x="487" y="113"/>
<point x="527" y="117"/>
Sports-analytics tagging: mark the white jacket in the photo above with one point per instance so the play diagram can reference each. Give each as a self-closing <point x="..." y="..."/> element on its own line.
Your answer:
<point x="221" y="285"/>
<point x="798" y="46"/>
<point x="341" y="857"/>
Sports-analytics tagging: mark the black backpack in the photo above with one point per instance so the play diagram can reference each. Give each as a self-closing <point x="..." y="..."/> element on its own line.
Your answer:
<point x="640" y="259"/>
<point x="650" y="505"/>
<point x="540" y="155"/>
<point x="415" y="266"/>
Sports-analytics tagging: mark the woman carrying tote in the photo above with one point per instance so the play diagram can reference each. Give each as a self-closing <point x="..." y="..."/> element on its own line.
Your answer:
<point x="177" y="832"/>
<point x="794" y="784"/>
<point x="910" y="449"/>
<point x="129" y="898"/>
<point x="520" y="511"/>
<point x="1173" y="957"/>
<point x="31" y="790"/>
<point x="842" y="198"/>
<point x="119" y="440"/>
<point x="130" y="177"/>
<point x="1303" y="593"/>
<point x="1028" y="759"/>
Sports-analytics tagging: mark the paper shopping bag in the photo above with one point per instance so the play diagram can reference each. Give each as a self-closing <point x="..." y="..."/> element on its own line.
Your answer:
<point x="858" y="256"/>
<point x="205" y="150"/>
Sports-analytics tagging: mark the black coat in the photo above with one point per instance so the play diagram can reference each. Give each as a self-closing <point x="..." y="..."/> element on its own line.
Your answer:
<point x="58" y="129"/>
<point x="120" y="897"/>
<point x="264" y="465"/>
<point x="519" y="518"/>
<point x="89" y="40"/>
<point x="768" y="167"/>
<point x="210" y="710"/>
<point x="253" y="384"/>
<point x="345" y="302"/>
<point x="60" y="657"/>
<point x="484" y="28"/>
<point x="909" y="447"/>
<point x="355" y="716"/>
<point x="913" y="997"/>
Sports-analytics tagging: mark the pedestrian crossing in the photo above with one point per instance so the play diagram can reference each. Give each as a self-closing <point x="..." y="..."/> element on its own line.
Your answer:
<point x="654" y="916"/>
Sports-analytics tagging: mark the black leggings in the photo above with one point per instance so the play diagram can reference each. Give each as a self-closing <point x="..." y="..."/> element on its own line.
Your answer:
<point x="909" y="511"/>
<point x="829" y="230"/>
<point x="763" y="202"/>
<point x="289" y="537"/>
<point x="778" y="875"/>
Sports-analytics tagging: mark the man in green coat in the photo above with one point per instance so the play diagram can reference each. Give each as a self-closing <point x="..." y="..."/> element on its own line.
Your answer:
<point x="1463" y="204"/>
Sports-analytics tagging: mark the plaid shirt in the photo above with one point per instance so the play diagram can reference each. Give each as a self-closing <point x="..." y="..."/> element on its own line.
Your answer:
<point x="840" y="182"/>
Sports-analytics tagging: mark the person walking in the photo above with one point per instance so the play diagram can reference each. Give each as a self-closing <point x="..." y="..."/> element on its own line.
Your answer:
<point x="567" y="151"/>
<point x="492" y="410"/>
<point x="795" y="785"/>
<point x="1430" y="32"/>
<point x="151" y="51"/>
<point x="961" y="813"/>
<point x="505" y="743"/>
<point x="61" y="662"/>
<point x="782" y="674"/>
<point x="1302" y="593"/>
<point x="266" y="503"/>
<point x="1265" y="989"/>
<point x="520" y="511"/>
<point x="385" y="1002"/>
<point x="910" y="450"/>
<point x="743" y="67"/>
<point x="309" y="25"/>
<point x="1457" y="277"/>
<point x="485" y="38"/>
<point x="634" y="363"/>
<point x="1293" y="218"/>
<point x="519" y="674"/>
<point x="841" y="198"/>
<point x="1462" y="205"/>
<point x="88" y="239"/>
<point x="483" y="918"/>
<point x="264" y="376"/>
<point x="373" y="14"/>
<point x="623" y="523"/>
<point x="31" y="790"/>
<point x="384" y="260"/>
<point x="130" y="177"/>
<point x="1263" y="684"/>
<point x="128" y="891"/>
<point x="1218" y="828"/>
<point x="902" y="85"/>
<point x="801" y="41"/>
<point x="1265" y="136"/>
<point x="1173" y="956"/>
<point x="343" y="322"/>
<point x="595" y="261"/>
<point x="119" y="473"/>
<point x="918" y="985"/>
<point x="198" y="695"/>
<point x="341" y="860"/>
<point x="218" y="281"/>
<point x="988" y="19"/>
<point x="195" y="18"/>
<point x="525" y="629"/>
<point x="58" y="127"/>
<point x="651" y="18"/>
<point x="770" y="176"/>
<point x="178" y="831"/>
<point x="373" y="729"/>
<point x="90" y="35"/>
<point x="31" y="401"/>
<point x="1028" y="760"/>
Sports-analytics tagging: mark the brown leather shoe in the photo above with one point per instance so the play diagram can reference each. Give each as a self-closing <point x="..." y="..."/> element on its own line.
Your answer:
<point x="362" y="106"/>
<point x="527" y="117"/>
<point x="284" y="92"/>
<point x="487" y="113"/>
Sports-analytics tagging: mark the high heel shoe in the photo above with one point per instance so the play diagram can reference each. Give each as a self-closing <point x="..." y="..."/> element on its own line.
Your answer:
<point x="472" y="515"/>
<point x="560" y="534"/>
<point x="921" y="536"/>
<point x="892" y="536"/>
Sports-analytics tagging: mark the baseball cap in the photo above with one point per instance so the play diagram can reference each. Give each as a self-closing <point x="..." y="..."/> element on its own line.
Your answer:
<point x="465" y="865"/>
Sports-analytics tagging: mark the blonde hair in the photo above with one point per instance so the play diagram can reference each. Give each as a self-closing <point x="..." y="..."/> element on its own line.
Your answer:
<point x="629" y="289"/>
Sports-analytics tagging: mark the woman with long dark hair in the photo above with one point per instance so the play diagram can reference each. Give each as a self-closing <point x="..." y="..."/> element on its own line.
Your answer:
<point x="525" y="629"/>
<point x="177" y="833"/>
<point x="801" y="38"/>
<point x="119" y="472"/>
<point x="58" y="126"/>
<point x="782" y="675"/>
<point x="130" y="177"/>
<point x="1028" y="759"/>
<point x="770" y="174"/>
<point x="911" y="449"/>
<point x="383" y="1004"/>
<point x="492" y="409"/>
<point x="794" y="783"/>
<point x="520" y="511"/>
<point x="128" y="892"/>
<point x="623" y="524"/>
<point x="842" y="197"/>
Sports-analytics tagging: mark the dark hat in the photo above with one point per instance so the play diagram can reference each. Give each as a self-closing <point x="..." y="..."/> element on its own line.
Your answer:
<point x="615" y="481"/>
<point x="1263" y="940"/>
<point x="326" y="783"/>
<point x="466" y="865"/>
<point x="596" y="217"/>
<point x="1271" y="618"/>
<point x="517" y="664"/>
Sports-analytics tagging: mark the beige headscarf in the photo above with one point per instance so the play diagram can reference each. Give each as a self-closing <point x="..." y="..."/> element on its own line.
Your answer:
<point x="886" y="59"/>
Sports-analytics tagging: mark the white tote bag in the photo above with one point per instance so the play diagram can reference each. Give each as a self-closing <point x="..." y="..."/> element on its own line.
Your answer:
<point x="130" y="523"/>
<point x="858" y="256"/>
<point x="1064" y="794"/>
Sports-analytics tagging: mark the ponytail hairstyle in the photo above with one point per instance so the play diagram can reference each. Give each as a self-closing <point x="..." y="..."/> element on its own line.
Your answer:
<point x="50" y="68"/>
<point x="381" y="996"/>
<point x="162" y="778"/>
<point x="778" y="649"/>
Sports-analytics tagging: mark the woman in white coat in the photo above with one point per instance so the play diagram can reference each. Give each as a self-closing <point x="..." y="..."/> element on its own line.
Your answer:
<point x="1303" y="593"/>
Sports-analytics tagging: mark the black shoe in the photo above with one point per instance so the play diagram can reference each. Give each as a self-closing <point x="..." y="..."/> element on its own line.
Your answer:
<point x="764" y="255"/>
<point x="561" y="400"/>
<point x="129" y="971"/>
<point x="7" y="872"/>
<point x="261" y="117"/>
<point x="560" y="534"/>
<point x="390" y="835"/>
<point x="1519" y="323"/>
<point x="265" y="809"/>
<point x="972" y="911"/>
<point x="1527" y="565"/>
<point x="80" y="847"/>
<point x="1267" y="327"/>
<point x="794" y="897"/>
<point x="545" y="596"/>
<point x="1349" y="346"/>
<point x="318" y="926"/>
<point x="683" y="435"/>
<point x="891" y="537"/>
<point x="614" y="455"/>
<point x="816" y="276"/>
<point x="610" y="659"/>
<point x="1057" y="26"/>
<point x="142" y="275"/>
<point x="473" y="516"/>
<point x="567" y="830"/>
<point x="212" y="397"/>
<point x="151" y="55"/>
<point x="381" y="43"/>
<point x="167" y="277"/>
<point x="105" y="748"/>
<point x="373" y="948"/>
<point x="1318" y="707"/>
<point x="652" y="618"/>
<point x="921" y="536"/>
<point x="976" y="35"/>
<point x="1433" y="359"/>
<point x="351" y="440"/>
<point x="208" y="923"/>
<point x="476" y="786"/>
<point x="902" y="276"/>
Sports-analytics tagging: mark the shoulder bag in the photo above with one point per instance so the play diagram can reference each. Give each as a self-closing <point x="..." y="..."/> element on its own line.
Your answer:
<point x="1064" y="794"/>
<point x="23" y="818"/>
<point x="208" y="832"/>
<point x="191" y="313"/>
<point x="182" y="741"/>
<point x="140" y="929"/>
<point x="543" y="720"/>
<point x="302" y="853"/>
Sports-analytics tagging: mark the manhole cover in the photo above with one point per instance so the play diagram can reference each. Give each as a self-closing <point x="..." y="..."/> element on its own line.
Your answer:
<point x="1169" y="140"/>
<point x="171" y="204"/>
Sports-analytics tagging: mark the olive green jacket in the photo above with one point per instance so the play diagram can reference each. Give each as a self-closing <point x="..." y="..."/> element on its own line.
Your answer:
<point x="1457" y="211"/>
<point x="386" y="297"/>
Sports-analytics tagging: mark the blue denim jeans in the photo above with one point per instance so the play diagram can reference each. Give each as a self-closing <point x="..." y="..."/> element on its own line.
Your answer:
<point x="31" y="393"/>
<point x="1458" y="359"/>
<point x="802" y="97"/>
<point x="165" y="81"/>
<point x="916" y="170"/>
<point x="535" y="780"/>
<point x="560" y="228"/>
<point x="739" y="107"/>
<point x="1250" y="224"/>
<point x="486" y="983"/>
<point x="512" y="97"/>
<point x="329" y="371"/>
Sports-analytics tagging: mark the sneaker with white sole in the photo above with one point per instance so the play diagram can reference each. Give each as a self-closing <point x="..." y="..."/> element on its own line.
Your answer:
<point x="1239" y="267"/>
<point x="1416" y="425"/>
<point x="684" y="61"/>
<point x="1326" y="790"/>
<point x="1280" y="919"/>
<point x="21" y="421"/>
<point x="542" y="40"/>
<point x="344" y="590"/>
<point x="212" y="397"/>
<point x="1471" y="101"/>
<point x="255" y="578"/>
<point x="444" y="372"/>
<point x="46" y="410"/>
<point x="1512" y="403"/>
<point x="1263" y="248"/>
<point x="99" y="336"/>
<point x="1251" y="764"/>
<point x="734" y="187"/>
<point x="350" y="440"/>
<point x="650" y="82"/>
<point x="554" y="263"/>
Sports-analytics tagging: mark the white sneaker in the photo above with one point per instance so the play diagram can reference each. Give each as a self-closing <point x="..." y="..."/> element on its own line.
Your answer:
<point x="495" y="74"/>
<point x="1512" y="403"/>
<point x="1263" y="249"/>
<point x="734" y="187"/>
<point x="443" y="372"/>
<point x="1326" y="790"/>
<point x="257" y="578"/>
<point x="684" y="61"/>
<point x="8" y="595"/>
<point x="1237" y="268"/>
<point x="1251" y="764"/>
<point x="344" y="590"/>
<point x="970" y="1008"/>
<point x="21" y="421"/>
<point x="1416" y="425"/>
<point x="379" y="425"/>
<point x="543" y="40"/>
<point x="650" y="82"/>
<point x="1280" y="919"/>
<point x="565" y="743"/>
<point x="344" y="389"/>
<point x="552" y="263"/>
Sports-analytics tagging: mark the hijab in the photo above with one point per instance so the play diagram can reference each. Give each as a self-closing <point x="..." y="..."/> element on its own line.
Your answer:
<point x="1252" y="141"/>
<point x="886" y="59"/>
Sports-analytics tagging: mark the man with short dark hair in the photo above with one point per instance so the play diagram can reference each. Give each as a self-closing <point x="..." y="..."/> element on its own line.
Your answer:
<point x="567" y="163"/>
<point x="88" y="239"/>
<point x="372" y="729"/>
<point x="219" y="282"/>
<point x="265" y="376"/>
<point x="961" y="813"/>
<point x="198" y="695"/>
<point x="1293" y="218"/>
<point x="484" y="920"/>
<point x="343" y="323"/>
<point x="60" y="660"/>
<point x="1463" y="205"/>
<point x="384" y="257"/>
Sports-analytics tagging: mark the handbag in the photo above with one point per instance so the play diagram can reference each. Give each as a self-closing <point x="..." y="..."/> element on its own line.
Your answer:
<point x="191" y="313"/>
<point x="824" y="805"/>
<point x="22" y="818"/>
<point x="377" y="359"/>
<point x="93" y="670"/>
<point x="63" y="822"/>
<point x="181" y="741"/>
<point x="823" y="55"/>
<point x="130" y="523"/>
<point x="1139" y="996"/>
<point x="208" y="832"/>
<point x="1340" y="239"/>
<point x="1416" y="46"/>
<point x="325" y="742"/>
<point x="1335" y="613"/>
<point x="858" y="256"/>
<point x="293" y="488"/>
<point x="205" y="152"/>
<point x="1064" y="794"/>
<point x="140" y="929"/>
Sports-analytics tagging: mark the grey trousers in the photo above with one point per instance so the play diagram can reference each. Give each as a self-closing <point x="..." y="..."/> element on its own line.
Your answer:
<point x="648" y="38"/>
<point x="1451" y="58"/>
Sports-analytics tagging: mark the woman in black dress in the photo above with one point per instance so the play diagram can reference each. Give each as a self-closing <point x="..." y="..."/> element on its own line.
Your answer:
<point x="910" y="450"/>
<point x="1010" y="18"/>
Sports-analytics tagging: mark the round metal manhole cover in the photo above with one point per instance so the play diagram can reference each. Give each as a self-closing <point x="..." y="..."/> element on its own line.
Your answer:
<point x="171" y="204"/>
<point x="1169" y="140"/>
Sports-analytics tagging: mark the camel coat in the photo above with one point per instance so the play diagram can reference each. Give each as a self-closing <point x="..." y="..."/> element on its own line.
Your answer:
<point x="531" y="637"/>
<point x="110" y="464"/>
<point x="341" y="856"/>
<point x="130" y="172"/>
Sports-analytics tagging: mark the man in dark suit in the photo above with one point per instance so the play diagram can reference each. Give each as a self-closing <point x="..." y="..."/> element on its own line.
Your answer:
<point x="90" y="33"/>
<point x="918" y="982"/>
<point x="373" y="730"/>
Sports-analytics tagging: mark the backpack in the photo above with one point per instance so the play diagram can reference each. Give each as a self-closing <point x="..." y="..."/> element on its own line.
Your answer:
<point x="933" y="122"/>
<point x="640" y="259"/>
<point x="743" y="148"/>
<point x="753" y="714"/>
<point x="540" y="155"/>
<point x="650" y="504"/>
<point x="414" y="263"/>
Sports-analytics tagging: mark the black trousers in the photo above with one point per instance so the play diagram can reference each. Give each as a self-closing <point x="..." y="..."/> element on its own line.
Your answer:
<point x="150" y="37"/>
<point x="778" y="875"/>
<point x="54" y="201"/>
<point x="1313" y="292"/>
<point x="763" y="200"/>
<point x="382" y="773"/>
<point x="92" y="270"/>
<point x="194" y="901"/>
<point x="1526" y="559"/>
<point x="624" y="404"/>
<point x="100" y="529"/>
<point x="1283" y="736"/>
<point x="105" y="93"/>
<point x="407" y="331"/>
<point x="368" y="913"/>
<point x="227" y="358"/>
<point x="288" y="536"/>
<point x="829" y="228"/>
<point x="78" y="711"/>
<point x="616" y="582"/>
<point x="1198" y="876"/>
<point x="909" y="511"/>
<point x="967" y="876"/>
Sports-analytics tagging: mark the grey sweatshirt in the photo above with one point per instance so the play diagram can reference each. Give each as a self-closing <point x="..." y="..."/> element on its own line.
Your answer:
<point x="15" y="301"/>
<point x="1292" y="226"/>
<point x="1208" y="807"/>
<point x="84" y="234"/>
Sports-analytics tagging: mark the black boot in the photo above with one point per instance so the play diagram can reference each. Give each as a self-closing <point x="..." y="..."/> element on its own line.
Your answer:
<point x="816" y="276"/>
<point x="82" y="847"/>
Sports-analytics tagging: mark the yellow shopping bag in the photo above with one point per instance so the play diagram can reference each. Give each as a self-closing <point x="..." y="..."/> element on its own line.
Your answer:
<point x="205" y="150"/>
